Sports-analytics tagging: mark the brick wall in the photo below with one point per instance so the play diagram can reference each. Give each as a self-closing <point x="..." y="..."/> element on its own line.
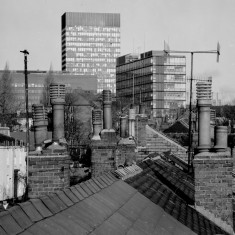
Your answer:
<point x="213" y="183"/>
<point x="103" y="153"/>
<point x="48" y="174"/>
<point x="102" y="159"/>
<point x="125" y="154"/>
<point x="158" y="142"/>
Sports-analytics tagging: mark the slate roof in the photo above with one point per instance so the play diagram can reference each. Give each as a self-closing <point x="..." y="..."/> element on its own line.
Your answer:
<point x="153" y="201"/>
<point x="173" y="191"/>
<point x="103" y="205"/>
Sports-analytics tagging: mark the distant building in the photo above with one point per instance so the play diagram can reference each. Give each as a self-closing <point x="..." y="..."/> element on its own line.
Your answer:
<point x="36" y="81"/>
<point x="216" y="96"/>
<point x="157" y="79"/>
<point x="90" y="46"/>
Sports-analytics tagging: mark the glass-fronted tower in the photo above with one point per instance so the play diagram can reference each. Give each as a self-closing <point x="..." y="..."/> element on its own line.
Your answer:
<point x="90" y="46"/>
<point x="156" y="79"/>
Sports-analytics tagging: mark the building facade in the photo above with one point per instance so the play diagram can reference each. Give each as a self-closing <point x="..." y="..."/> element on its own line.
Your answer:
<point x="90" y="46"/>
<point x="155" y="78"/>
<point x="37" y="81"/>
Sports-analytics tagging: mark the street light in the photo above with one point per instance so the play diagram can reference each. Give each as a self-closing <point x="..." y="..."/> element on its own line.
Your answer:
<point x="217" y="51"/>
<point x="25" y="52"/>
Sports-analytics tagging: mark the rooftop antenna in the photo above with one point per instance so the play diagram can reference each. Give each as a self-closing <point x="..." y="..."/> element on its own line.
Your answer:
<point x="217" y="51"/>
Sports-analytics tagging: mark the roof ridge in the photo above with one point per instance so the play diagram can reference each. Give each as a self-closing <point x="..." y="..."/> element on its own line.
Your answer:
<point x="166" y="136"/>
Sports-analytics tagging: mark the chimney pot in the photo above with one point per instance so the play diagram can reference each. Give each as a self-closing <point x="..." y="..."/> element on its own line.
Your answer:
<point x="107" y="104"/>
<point x="57" y="98"/>
<point x="40" y="123"/>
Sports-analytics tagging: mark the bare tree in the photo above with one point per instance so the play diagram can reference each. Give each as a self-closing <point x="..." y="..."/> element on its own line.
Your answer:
<point x="7" y="99"/>
<point x="45" y="98"/>
<point x="76" y="130"/>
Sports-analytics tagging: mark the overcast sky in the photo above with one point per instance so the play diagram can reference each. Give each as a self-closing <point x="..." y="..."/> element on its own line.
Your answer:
<point x="35" y="25"/>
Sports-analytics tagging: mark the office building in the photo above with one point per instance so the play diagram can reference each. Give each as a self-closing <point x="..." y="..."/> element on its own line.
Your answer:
<point x="155" y="78"/>
<point x="36" y="83"/>
<point x="90" y="46"/>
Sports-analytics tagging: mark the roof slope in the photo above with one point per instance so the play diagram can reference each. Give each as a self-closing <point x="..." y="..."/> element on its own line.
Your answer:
<point x="172" y="177"/>
<point x="173" y="193"/>
<point x="178" y="127"/>
<point x="102" y="205"/>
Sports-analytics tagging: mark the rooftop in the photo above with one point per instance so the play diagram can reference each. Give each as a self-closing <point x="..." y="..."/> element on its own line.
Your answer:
<point x="156" y="200"/>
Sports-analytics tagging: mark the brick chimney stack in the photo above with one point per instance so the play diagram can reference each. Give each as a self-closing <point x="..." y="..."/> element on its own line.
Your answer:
<point x="97" y="123"/>
<point x="49" y="169"/>
<point x="40" y="123"/>
<point x="103" y="150"/>
<point x="212" y="170"/>
<point x="57" y="98"/>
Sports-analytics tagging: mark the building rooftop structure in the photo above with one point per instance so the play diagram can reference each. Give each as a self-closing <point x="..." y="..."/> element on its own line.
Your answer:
<point x="155" y="200"/>
<point x="153" y="78"/>
<point x="90" y="45"/>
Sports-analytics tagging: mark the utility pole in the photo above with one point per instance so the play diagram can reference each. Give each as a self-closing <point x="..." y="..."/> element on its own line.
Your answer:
<point x="217" y="51"/>
<point x="25" y="52"/>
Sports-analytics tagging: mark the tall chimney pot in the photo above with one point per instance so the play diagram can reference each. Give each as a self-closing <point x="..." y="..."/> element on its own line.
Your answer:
<point x="132" y="122"/>
<point x="204" y="103"/>
<point x="97" y="123"/>
<point x="107" y="112"/>
<point x="40" y="123"/>
<point x="57" y="98"/>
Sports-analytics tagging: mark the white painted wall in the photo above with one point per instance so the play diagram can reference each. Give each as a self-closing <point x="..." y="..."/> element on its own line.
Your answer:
<point x="11" y="157"/>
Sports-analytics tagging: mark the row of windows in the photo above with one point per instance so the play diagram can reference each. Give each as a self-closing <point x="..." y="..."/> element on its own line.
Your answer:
<point x="81" y="54"/>
<point x="102" y="51"/>
<point x="88" y="71"/>
<point x="95" y="45"/>
<point x="109" y="40"/>
<point x="134" y="65"/>
<point x="91" y="60"/>
<point x="102" y="46"/>
<point x="93" y="28"/>
<point x="29" y="85"/>
<point x="91" y="34"/>
<point x="168" y="60"/>
<point x="89" y="65"/>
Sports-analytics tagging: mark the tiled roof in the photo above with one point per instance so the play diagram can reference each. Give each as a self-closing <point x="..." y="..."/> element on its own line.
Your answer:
<point x="103" y="205"/>
<point x="173" y="191"/>
<point x="180" y="126"/>
<point x="153" y="201"/>
<point x="172" y="177"/>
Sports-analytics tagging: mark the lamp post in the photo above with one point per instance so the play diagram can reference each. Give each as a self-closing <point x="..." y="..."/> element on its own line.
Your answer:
<point x="217" y="51"/>
<point x="25" y="52"/>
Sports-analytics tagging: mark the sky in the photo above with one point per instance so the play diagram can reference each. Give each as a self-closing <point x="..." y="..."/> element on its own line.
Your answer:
<point x="190" y="25"/>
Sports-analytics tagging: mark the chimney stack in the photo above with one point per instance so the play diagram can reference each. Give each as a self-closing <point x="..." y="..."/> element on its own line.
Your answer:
<point x="57" y="98"/>
<point x="107" y="112"/>
<point x="204" y="103"/>
<point x="40" y="123"/>
<point x="212" y="170"/>
<point x="97" y="123"/>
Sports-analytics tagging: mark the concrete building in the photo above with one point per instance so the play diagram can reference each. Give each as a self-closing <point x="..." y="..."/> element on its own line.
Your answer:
<point x="36" y="81"/>
<point x="155" y="78"/>
<point x="90" y="46"/>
